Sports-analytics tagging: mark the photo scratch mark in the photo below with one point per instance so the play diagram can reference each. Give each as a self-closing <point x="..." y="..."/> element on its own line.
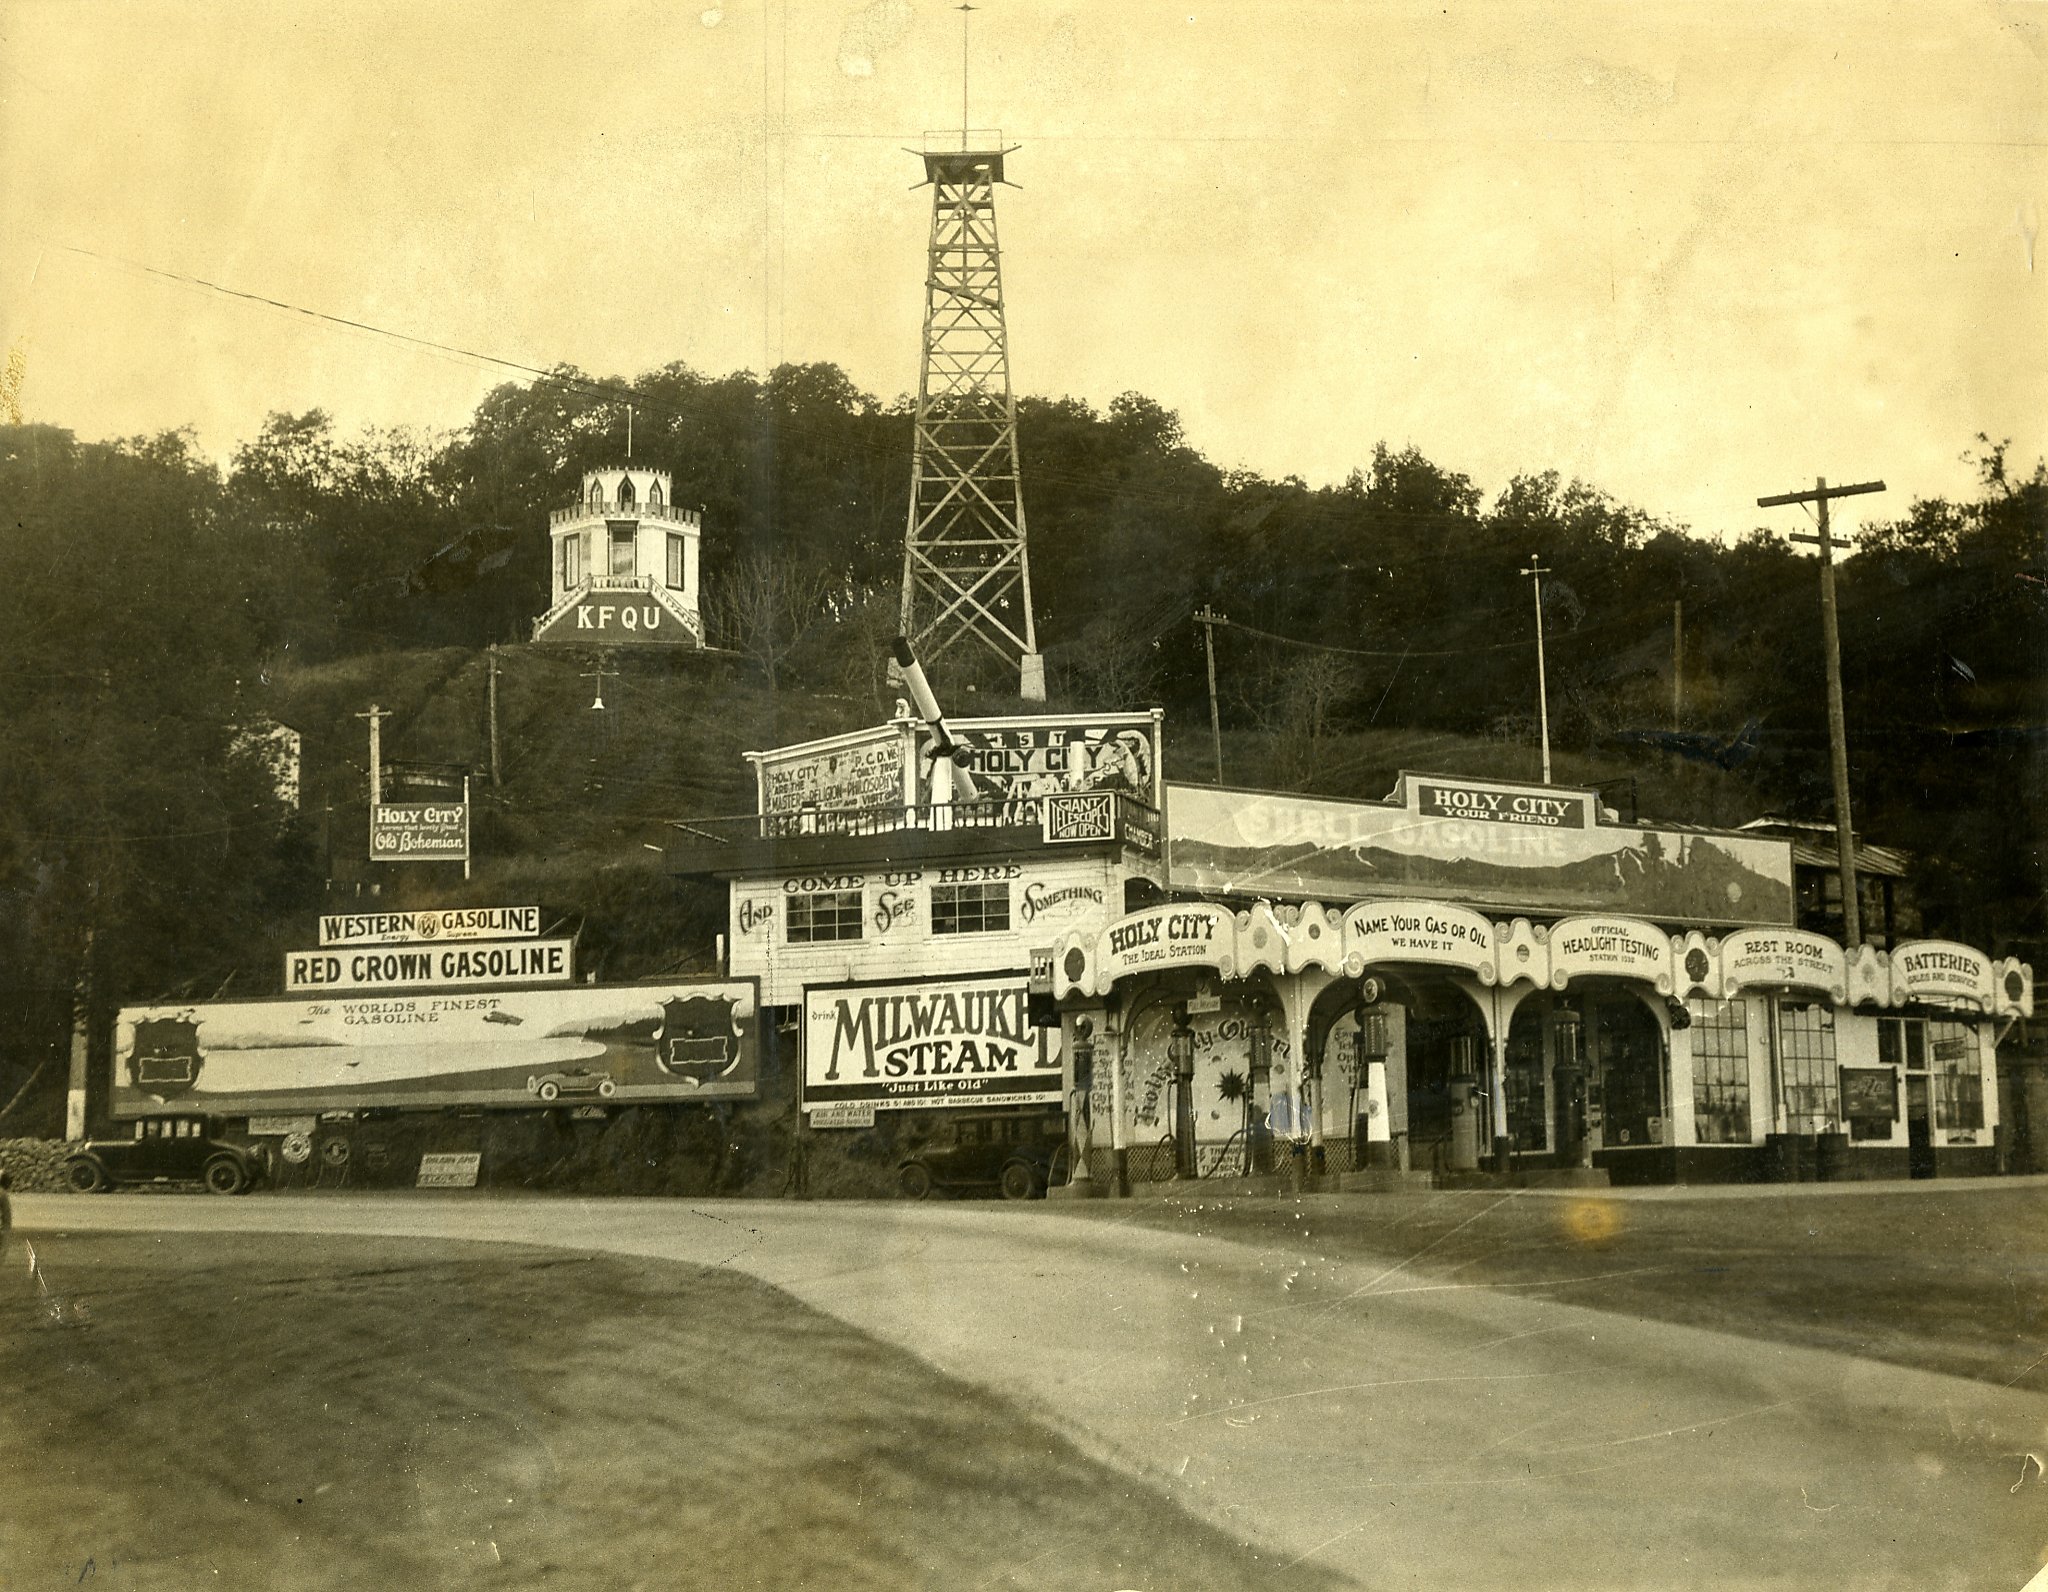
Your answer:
<point x="1359" y="1387"/>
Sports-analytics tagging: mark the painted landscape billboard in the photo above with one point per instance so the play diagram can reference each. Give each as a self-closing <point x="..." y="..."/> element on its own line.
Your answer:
<point x="1501" y="847"/>
<point x="591" y="1044"/>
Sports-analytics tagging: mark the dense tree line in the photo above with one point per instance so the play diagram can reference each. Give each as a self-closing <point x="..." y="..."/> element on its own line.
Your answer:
<point x="149" y="588"/>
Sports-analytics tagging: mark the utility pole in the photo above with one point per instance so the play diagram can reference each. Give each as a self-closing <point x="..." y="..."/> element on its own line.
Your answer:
<point x="491" y="704"/>
<point x="1536" y="572"/>
<point x="1838" y="729"/>
<point x="376" y="716"/>
<point x="1209" y="619"/>
<point x="1677" y="662"/>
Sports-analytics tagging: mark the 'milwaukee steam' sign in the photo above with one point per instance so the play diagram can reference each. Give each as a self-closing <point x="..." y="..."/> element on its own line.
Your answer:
<point x="956" y="1042"/>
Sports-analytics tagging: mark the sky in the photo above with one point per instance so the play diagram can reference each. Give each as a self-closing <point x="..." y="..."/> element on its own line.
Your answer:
<point x="1694" y="253"/>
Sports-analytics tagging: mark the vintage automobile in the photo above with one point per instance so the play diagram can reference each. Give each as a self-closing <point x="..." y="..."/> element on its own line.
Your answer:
<point x="571" y="1081"/>
<point x="1012" y="1152"/>
<point x="166" y="1150"/>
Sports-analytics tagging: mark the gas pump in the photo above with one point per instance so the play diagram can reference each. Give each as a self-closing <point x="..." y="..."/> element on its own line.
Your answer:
<point x="1180" y="1050"/>
<point x="1372" y="1128"/>
<point x="1569" y="1069"/>
<point x="1258" y="1154"/>
<point x="1465" y="1101"/>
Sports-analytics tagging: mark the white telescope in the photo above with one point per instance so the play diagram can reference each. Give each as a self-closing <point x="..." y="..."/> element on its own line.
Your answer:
<point x="944" y="748"/>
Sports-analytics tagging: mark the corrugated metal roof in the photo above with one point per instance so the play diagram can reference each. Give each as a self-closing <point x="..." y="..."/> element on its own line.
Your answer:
<point x="1882" y="860"/>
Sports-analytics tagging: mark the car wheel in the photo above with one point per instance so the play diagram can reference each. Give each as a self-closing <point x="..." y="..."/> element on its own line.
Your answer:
<point x="86" y="1177"/>
<point x="224" y="1175"/>
<point x="549" y="1089"/>
<point x="1020" y="1182"/>
<point x="915" y="1180"/>
<point x="607" y="1089"/>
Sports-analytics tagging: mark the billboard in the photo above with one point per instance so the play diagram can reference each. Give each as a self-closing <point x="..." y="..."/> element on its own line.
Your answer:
<point x="938" y="1042"/>
<point x="475" y="962"/>
<point x="1498" y="846"/>
<point x="676" y="1040"/>
<point x="419" y="832"/>
<point x="861" y="770"/>
<point x="1016" y="759"/>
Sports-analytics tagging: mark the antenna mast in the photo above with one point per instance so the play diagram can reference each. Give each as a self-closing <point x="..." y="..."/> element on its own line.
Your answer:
<point x="966" y="572"/>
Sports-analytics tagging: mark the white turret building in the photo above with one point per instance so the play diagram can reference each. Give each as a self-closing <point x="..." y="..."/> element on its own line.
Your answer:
<point x="624" y="565"/>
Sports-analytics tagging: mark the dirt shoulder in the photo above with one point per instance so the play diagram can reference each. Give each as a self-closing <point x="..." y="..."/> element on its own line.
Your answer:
<point x="1954" y="1282"/>
<point x="279" y="1411"/>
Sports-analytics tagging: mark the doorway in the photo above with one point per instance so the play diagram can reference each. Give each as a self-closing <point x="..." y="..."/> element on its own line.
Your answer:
<point x="1919" y="1129"/>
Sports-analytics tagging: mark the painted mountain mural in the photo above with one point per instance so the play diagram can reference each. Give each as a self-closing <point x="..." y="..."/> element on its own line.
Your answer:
<point x="1244" y="843"/>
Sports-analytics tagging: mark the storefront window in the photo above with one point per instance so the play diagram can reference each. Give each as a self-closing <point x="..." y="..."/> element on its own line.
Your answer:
<point x="824" y="915"/>
<point x="1720" y="1071"/>
<point x="1958" y="1077"/>
<point x="1806" y="1064"/>
<point x="970" y="908"/>
<point x="1902" y="1039"/>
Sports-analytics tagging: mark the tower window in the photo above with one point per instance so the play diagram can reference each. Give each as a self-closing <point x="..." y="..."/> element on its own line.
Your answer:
<point x="627" y="497"/>
<point x="654" y="496"/>
<point x="596" y="493"/>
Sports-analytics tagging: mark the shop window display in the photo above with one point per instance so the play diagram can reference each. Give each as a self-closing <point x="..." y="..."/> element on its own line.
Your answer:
<point x="1720" y="1071"/>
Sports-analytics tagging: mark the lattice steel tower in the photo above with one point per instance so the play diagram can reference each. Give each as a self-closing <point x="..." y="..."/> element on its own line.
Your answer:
<point x="966" y="571"/>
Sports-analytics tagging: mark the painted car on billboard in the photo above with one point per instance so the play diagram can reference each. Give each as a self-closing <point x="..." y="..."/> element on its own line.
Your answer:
<point x="670" y="1041"/>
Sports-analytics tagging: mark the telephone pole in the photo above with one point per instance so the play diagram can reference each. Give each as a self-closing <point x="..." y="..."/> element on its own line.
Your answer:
<point x="491" y="704"/>
<point x="1838" y="729"/>
<point x="1536" y="572"/>
<point x="376" y="716"/>
<point x="1209" y="619"/>
<point x="1677" y="662"/>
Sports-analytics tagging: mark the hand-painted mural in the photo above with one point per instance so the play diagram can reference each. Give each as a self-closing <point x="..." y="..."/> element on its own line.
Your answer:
<point x="1430" y="840"/>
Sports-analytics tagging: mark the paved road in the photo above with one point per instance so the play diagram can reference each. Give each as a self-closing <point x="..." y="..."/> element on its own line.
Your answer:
<point x="1376" y="1418"/>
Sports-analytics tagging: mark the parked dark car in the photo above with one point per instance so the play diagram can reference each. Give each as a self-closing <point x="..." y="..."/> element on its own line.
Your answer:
<point x="165" y="1150"/>
<point x="1011" y="1152"/>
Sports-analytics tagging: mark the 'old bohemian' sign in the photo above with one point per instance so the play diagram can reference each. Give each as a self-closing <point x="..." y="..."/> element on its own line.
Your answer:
<point x="419" y="832"/>
<point x="937" y="1042"/>
<point x="430" y="966"/>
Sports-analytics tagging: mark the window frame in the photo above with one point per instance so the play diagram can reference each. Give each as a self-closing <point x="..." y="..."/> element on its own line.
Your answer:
<point x="823" y="917"/>
<point x="969" y="907"/>
<point x="1728" y="1062"/>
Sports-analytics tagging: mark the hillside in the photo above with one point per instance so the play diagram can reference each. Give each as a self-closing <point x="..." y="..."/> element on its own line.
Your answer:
<point x="582" y="815"/>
